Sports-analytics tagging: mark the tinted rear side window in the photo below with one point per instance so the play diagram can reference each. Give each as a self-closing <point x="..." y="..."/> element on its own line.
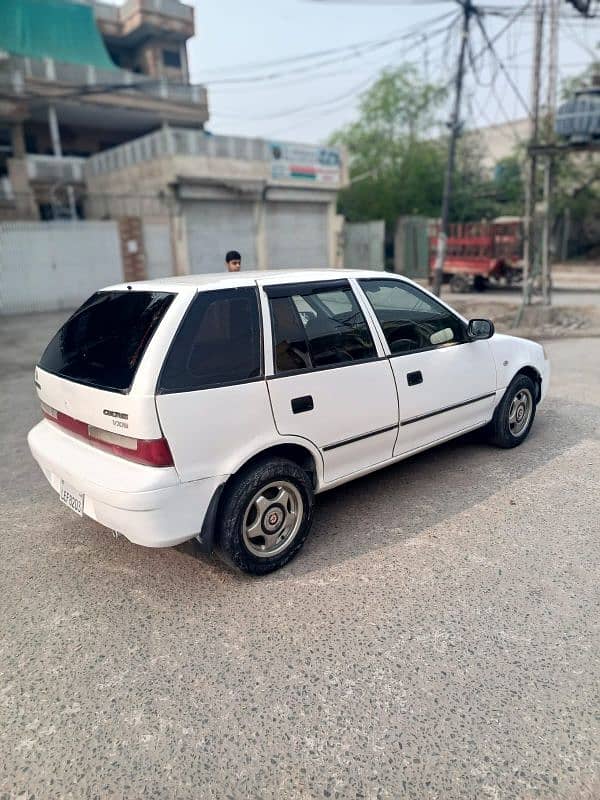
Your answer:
<point x="102" y="344"/>
<point x="218" y="343"/>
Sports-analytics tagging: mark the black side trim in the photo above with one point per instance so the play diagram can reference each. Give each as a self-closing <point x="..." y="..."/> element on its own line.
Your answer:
<point x="206" y="538"/>
<point x="359" y="438"/>
<point x="448" y="408"/>
<point x="308" y="287"/>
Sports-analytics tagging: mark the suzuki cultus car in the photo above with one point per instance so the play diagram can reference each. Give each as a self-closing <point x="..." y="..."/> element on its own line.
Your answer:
<point x="216" y="407"/>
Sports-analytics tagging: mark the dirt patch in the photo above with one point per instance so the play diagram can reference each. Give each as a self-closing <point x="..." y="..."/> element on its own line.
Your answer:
<point x="536" y="321"/>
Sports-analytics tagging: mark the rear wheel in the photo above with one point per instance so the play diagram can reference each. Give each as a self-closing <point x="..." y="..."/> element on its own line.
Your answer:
<point x="480" y="284"/>
<point x="460" y="284"/>
<point x="265" y="516"/>
<point x="515" y="414"/>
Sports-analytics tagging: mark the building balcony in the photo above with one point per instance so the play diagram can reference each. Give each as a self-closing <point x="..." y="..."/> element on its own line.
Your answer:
<point x="135" y="19"/>
<point x="114" y="100"/>
<point x="55" y="169"/>
<point x="20" y="73"/>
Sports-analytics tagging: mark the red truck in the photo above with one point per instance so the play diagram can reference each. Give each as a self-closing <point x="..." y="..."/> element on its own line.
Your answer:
<point x="478" y="253"/>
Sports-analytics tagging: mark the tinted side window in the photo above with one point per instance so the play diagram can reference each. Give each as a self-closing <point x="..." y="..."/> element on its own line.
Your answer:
<point x="319" y="329"/>
<point x="218" y="343"/>
<point x="410" y="319"/>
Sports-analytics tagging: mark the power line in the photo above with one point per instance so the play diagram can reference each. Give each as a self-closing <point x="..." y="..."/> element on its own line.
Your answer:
<point x="347" y="52"/>
<point x="312" y="72"/>
<point x="500" y="63"/>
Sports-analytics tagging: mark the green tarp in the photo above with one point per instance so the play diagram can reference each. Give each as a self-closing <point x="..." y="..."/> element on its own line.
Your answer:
<point x="55" y="29"/>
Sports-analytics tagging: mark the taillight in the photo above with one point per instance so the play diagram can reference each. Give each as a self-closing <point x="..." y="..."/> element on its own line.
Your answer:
<point x="152" y="452"/>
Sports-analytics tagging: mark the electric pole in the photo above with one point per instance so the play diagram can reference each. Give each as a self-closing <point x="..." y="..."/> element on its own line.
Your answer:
<point x="455" y="125"/>
<point x="549" y="162"/>
<point x="531" y="170"/>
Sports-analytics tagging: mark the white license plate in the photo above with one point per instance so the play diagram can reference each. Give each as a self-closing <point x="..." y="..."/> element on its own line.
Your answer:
<point x="71" y="498"/>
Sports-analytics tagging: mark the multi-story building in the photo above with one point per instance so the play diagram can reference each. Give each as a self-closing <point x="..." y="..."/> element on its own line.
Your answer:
<point x="98" y="119"/>
<point x="76" y="79"/>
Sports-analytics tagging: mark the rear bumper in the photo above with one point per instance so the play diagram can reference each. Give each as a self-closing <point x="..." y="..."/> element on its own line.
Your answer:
<point x="150" y="506"/>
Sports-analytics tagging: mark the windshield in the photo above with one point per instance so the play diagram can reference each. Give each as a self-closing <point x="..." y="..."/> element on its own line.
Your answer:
<point x="103" y="342"/>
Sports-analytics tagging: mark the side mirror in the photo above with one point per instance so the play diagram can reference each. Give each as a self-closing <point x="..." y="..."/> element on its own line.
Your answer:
<point x="480" y="329"/>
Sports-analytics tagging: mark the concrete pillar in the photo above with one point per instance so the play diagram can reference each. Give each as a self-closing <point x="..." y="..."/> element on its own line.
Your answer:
<point x="54" y="131"/>
<point x="17" y="138"/>
<point x="19" y="180"/>
<point x="184" y="63"/>
<point x="179" y="246"/>
<point x="132" y="248"/>
<point x="332" y="231"/>
<point x="260" y="234"/>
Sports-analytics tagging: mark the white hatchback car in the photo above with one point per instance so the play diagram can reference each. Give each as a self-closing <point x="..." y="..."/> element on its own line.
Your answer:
<point x="215" y="407"/>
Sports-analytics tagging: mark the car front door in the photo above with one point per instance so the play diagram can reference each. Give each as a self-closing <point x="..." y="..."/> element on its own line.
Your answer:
<point x="446" y="382"/>
<point x="330" y="382"/>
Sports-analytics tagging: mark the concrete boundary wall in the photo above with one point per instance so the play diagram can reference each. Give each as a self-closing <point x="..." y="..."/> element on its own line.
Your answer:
<point x="49" y="266"/>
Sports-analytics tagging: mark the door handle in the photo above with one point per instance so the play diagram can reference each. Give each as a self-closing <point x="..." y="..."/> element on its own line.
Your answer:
<point x="302" y="404"/>
<point x="413" y="378"/>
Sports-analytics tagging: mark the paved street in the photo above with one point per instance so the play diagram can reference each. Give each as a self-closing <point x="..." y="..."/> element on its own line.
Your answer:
<point x="438" y="637"/>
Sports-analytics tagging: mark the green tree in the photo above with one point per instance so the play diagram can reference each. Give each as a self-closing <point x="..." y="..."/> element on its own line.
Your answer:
<point x="392" y="169"/>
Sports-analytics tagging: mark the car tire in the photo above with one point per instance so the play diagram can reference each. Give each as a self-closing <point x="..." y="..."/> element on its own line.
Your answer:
<point x="460" y="284"/>
<point x="515" y="413"/>
<point x="265" y="516"/>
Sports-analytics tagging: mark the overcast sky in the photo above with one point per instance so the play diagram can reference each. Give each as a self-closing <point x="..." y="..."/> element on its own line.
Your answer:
<point x="307" y="103"/>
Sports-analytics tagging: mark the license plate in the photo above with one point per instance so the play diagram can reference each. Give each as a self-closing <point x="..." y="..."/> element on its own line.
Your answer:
<point x="71" y="498"/>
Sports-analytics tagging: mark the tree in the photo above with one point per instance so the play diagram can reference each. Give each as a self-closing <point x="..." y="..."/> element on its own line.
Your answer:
<point x="394" y="171"/>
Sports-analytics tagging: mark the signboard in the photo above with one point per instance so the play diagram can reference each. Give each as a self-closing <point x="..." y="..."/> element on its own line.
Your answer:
<point x="321" y="165"/>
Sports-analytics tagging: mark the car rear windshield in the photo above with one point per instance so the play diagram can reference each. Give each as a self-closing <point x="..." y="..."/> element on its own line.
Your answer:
<point x="102" y="344"/>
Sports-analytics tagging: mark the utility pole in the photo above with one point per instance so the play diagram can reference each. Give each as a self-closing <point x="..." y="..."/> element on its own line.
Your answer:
<point x="549" y="162"/>
<point x="531" y="171"/>
<point x="455" y="125"/>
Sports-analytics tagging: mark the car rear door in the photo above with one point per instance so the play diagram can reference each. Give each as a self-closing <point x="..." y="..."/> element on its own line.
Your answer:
<point x="446" y="383"/>
<point x="329" y="380"/>
<point x="211" y="395"/>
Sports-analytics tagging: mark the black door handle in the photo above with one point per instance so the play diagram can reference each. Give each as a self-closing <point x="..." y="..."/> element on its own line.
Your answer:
<point x="302" y="404"/>
<point x="413" y="378"/>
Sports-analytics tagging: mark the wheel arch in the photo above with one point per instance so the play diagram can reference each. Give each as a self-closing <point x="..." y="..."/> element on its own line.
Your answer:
<point x="300" y="454"/>
<point x="533" y="373"/>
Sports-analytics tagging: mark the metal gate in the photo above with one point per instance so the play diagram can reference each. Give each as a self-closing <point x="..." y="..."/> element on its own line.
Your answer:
<point x="364" y="245"/>
<point x="297" y="235"/>
<point x="157" y="249"/>
<point x="411" y="247"/>
<point x="216" y="226"/>
<point x="48" y="266"/>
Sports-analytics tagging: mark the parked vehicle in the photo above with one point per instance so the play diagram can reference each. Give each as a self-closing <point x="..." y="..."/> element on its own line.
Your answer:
<point x="479" y="253"/>
<point x="216" y="407"/>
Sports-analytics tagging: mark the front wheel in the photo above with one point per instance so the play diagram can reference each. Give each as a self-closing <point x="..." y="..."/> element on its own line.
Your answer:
<point x="514" y="415"/>
<point x="265" y="516"/>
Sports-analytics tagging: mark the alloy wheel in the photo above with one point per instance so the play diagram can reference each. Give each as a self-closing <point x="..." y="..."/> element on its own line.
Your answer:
<point x="272" y="519"/>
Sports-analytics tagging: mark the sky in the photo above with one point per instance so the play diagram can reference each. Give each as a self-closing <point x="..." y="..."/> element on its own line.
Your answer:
<point x="312" y="98"/>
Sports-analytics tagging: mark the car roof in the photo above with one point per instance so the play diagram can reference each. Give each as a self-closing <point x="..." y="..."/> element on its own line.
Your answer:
<point x="223" y="280"/>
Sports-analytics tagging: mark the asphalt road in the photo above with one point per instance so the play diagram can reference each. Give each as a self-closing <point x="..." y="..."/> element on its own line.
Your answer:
<point x="438" y="637"/>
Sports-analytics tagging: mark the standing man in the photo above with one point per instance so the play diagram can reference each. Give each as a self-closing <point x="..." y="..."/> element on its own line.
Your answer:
<point x="233" y="261"/>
